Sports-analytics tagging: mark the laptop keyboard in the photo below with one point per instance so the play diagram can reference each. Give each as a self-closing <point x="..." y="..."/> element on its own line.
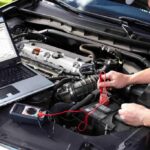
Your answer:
<point x="14" y="74"/>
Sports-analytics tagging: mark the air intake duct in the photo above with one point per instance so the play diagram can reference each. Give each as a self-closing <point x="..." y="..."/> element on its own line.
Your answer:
<point x="78" y="90"/>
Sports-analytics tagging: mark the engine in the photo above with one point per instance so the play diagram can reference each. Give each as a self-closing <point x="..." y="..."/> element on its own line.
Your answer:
<point x="74" y="65"/>
<point x="54" y="58"/>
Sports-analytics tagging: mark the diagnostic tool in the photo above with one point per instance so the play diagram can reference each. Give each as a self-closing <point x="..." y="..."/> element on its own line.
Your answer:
<point x="26" y="114"/>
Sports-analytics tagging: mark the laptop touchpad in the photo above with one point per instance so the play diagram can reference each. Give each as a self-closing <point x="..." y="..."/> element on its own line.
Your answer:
<point x="8" y="91"/>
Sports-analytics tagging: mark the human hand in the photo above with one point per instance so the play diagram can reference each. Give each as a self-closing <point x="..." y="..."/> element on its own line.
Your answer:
<point x="129" y="2"/>
<point x="148" y="3"/>
<point x="135" y="114"/>
<point x="114" y="79"/>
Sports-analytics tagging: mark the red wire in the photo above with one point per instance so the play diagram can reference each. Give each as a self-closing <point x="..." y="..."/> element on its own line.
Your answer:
<point x="102" y="80"/>
<point x="41" y="114"/>
<point x="103" y="99"/>
<point x="83" y="124"/>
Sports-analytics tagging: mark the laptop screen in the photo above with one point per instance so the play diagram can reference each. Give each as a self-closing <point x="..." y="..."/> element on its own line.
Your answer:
<point x="7" y="50"/>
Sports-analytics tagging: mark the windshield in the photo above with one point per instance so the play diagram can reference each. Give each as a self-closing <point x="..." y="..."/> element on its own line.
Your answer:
<point x="7" y="50"/>
<point x="131" y="8"/>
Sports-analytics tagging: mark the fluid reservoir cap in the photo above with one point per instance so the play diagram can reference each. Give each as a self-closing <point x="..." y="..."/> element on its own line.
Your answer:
<point x="36" y="51"/>
<point x="57" y="55"/>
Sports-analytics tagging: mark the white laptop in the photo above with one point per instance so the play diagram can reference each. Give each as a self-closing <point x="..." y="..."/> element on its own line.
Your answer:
<point x="16" y="80"/>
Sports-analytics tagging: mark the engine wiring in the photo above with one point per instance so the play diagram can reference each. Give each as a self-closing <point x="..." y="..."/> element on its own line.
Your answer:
<point x="103" y="100"/>
<point x="83" y="123"/>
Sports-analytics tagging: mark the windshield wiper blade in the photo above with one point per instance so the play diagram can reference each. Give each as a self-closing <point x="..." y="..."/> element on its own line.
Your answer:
<point x="87" y="13"/>
<point x="123" y="21"/>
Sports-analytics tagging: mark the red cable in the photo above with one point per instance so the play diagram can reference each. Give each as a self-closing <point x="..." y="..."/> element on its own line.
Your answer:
<point x="102" y="101"/>
<point x="84" y="123"/>
<point x="41" y="114"/>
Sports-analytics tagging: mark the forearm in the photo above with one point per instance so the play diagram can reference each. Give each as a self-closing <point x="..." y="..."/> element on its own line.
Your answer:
<point x="135" y="114"/>
<point x="146" y="117"/>
<point x="142" y="77"/>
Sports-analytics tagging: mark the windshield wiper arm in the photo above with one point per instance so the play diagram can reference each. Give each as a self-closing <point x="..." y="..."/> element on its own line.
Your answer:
<point x="135" y="35"/>
<point x="129" y="22"/>
<point x="134" y="21"/>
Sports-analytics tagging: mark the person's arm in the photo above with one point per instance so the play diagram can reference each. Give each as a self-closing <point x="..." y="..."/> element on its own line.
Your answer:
<point x="148" y="3"/>
<point x="129" y="2"/>
<point x="120" y="80"/>
<point x="132" y="114"/>
<point x="142" y="77"/>
<point x="135" y="114"/>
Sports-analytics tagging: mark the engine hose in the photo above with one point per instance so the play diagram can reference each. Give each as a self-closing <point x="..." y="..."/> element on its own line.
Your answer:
<point x="60" y="106"/>
<point x="66" y="35"/>
<point x="78" y="90"/>
<point x="58" y="85"/>
<point x="36" y="36"/>
<point x="61" y="83"/>
<point x="85" y="101"/>
<point x="56" y="78"/>
<point x="30" y="35"/>
<point x="86" y="50"/>
<point x="20" y="36"/>
<point x="70" y="73"/>
<point x="135" y="56"/>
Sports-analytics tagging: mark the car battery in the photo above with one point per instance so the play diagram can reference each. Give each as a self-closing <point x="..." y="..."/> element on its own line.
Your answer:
<point x="99" y="116"/>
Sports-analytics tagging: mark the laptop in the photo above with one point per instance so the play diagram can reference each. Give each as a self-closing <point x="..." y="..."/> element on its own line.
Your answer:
<point x="16" y="80"/>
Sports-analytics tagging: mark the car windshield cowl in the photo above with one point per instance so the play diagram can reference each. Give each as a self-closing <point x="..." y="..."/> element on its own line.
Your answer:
<point x="108" y="9"/>
<point x="73" y="9"/>
<point x="127" y="23"/>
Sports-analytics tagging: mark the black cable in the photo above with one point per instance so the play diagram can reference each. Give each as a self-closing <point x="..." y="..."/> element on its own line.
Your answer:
<point x="36" y="36"/>
<point x="62" y="82"/>
<point x="86" y="100"/>
<point x="20" y="36"/>
<point x="137" y="57"/>
<point x="57" y="78"/>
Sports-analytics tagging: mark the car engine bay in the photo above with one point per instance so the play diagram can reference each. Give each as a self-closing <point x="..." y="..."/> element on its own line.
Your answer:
<point x="73" y="62"/>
